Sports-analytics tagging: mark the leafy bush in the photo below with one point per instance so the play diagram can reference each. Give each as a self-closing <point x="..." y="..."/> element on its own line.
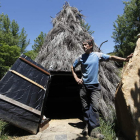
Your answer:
<point x="3" y="136"/>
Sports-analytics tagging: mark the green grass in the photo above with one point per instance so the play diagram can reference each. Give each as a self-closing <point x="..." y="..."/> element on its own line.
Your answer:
<point x="9" y="131"/>
<point x="108" y="129"/>
<point x="3" y="136"/>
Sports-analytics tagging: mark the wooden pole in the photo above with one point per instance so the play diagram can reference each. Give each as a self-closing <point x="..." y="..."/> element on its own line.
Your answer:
<point x="28" y="62"/>
<point x="31" y="81"/>
<point x="17" y="103"/>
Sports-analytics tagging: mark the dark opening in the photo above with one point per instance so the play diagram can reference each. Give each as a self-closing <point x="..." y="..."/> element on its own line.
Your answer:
<point x="63" y="100"/>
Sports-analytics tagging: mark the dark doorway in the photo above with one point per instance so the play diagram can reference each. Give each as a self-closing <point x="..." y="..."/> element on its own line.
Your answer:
<point x="63" y="99"/>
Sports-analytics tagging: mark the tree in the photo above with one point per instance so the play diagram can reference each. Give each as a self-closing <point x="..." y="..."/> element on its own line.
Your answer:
<point x="38" y="42"/>
<point x="5" y="30"/>
<point x="23" y="42"/>
<point x="10" y="34"/>
<point x="32" y="54"/>
<point x="126" y="28"/>
<point x="8" y="55"/>
<point x="14" y="27"/>
<point x="86" y="26"/>
<point x="1" y="36"/>
<point x="12" y="42"/>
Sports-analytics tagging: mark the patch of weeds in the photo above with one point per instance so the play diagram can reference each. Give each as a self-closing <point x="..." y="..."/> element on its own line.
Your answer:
<point x="107" y="129"/>
<point x="3" y="136"/>
<point x="9" y="131"/>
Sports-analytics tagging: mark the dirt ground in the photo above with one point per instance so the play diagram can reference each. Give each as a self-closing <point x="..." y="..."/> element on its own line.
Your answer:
<point x="62" y="129"/>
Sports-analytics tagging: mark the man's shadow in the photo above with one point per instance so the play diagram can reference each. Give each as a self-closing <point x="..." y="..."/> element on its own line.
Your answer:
<point x="77" y="125"/>
<point x="81" y="126"/>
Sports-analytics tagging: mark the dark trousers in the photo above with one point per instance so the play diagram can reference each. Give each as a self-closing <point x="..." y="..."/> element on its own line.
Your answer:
<point x="90" y="96"/>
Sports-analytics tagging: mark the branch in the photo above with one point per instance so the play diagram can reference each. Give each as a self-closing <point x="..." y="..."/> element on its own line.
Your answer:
<point x="102" y="44"/>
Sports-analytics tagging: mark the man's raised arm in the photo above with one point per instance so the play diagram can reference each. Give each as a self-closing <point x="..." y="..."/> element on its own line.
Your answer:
<point x="120" y="59"/>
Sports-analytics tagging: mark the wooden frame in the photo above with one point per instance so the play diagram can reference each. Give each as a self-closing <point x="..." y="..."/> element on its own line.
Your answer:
<point x="31" y="81"/>
<point x="28" y="62"/>
<point x="21" y="105"/>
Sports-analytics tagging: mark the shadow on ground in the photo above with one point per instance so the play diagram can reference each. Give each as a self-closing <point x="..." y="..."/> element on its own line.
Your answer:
<point x="77" y="125"/>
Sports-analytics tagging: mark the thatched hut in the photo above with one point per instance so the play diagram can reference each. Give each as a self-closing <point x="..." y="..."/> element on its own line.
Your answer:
<point x="63" y="44"/>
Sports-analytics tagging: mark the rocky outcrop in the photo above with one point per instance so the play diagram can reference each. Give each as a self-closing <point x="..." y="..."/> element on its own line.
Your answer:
<point x="127" y="100"/>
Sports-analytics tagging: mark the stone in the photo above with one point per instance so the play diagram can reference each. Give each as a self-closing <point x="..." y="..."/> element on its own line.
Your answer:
<point x="127" y="97"/>
<point x="61" y="137"/>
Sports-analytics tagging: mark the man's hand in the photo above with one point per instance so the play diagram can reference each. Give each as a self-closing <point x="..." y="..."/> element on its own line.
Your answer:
<point x="129" y="56"/>
<point x="79" y="81"/>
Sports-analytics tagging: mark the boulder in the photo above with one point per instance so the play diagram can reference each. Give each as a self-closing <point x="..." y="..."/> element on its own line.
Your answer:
<point x="127" y="97"/>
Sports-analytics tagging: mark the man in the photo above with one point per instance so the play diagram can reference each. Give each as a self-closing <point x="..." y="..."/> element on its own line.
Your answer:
<point x="90" y="87"/>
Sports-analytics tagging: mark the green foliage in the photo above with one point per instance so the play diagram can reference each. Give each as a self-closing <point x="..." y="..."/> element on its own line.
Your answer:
<point x="15" y="32"/>
<point x="32" y="54"/>
<point x="23" y="42"/>
<point x="10" y="34"/>
<point x="12" y="43"/>
<point x="126" y="28"/>
<point x="14" y="28"/>
<point x="87" y="27"/>
<point x="6" y="23"/>
<point x="38" y="42"/>
<point x="2" y="126"/>
<point x="107" y="129"/>
<point x="5" y="34"/>
<point x="8" y="55"/>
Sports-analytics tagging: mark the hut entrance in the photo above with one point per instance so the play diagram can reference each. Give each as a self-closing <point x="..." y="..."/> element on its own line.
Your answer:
<point x="63" y="100"/>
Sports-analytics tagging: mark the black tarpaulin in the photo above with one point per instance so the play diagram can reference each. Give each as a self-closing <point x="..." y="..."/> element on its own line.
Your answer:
<point x="22" y="93"/>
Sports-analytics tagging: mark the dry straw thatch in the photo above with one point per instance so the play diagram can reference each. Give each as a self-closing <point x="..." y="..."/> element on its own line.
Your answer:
<point x="63" y="44"/>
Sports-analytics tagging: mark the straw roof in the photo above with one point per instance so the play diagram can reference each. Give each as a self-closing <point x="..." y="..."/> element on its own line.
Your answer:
<point x="63" y="44"/>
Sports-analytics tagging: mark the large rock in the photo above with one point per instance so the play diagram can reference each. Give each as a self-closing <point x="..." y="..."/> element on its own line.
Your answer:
<point x="127" y="100"/>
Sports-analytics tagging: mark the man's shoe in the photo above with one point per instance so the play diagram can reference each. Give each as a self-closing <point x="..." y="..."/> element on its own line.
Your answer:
<point x="96" y="134"/>
<point x="85" y="130"/>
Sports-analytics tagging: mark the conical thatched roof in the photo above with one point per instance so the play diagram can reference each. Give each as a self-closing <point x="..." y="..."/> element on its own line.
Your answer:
<point x="63" y="44"/>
